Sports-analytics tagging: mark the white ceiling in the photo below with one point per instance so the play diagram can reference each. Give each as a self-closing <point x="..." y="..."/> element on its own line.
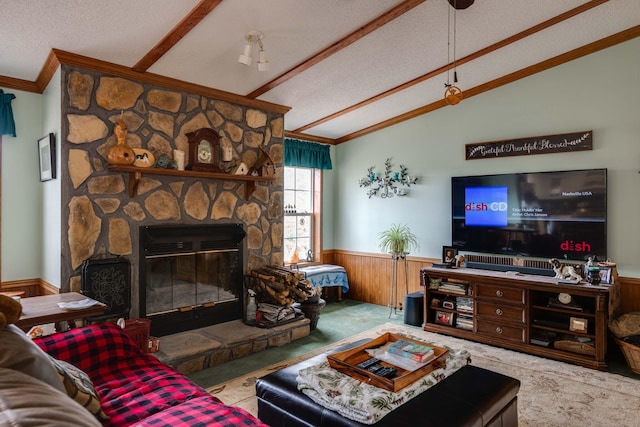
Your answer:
<point x="410" y="46"/>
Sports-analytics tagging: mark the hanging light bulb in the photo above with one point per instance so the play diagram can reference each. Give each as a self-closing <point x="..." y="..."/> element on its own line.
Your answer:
<point x="245" y="56"/>
<point x="263" y="64"/>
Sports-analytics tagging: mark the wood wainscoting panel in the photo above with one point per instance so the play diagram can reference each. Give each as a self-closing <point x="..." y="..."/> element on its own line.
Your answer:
<point x="31" y="287"/>
<point x="370" y="278"/>
<point x="629" y="294"/>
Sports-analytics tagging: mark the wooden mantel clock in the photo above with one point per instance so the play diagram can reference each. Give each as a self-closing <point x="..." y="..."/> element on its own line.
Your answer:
<point x="204" y="145"/>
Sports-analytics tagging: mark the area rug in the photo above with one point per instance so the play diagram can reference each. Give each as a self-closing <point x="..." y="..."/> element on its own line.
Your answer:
<point x="551" y="393"/>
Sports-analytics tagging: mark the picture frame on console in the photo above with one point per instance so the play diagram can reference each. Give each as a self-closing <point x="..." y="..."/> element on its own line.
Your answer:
<point x="449" y="255"/>
<point x="444" y="318"/>
<point x="605" y="275"/>
<point x="578" y="324"/>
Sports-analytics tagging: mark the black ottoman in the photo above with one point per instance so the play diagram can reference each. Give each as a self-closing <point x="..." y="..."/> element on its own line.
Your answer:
<point x="472" y="396"/>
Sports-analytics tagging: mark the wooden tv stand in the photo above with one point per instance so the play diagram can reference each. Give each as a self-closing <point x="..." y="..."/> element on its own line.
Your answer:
<point x="520" y="312"/>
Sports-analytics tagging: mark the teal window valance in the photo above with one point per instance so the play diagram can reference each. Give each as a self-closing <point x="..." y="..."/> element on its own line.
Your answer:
<point x="7" y="125"/>
<point x="306" y="154"/>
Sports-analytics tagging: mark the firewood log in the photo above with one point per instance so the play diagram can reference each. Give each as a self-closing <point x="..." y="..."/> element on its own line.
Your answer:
<point x="275" y="285"/>
<point x="279" y="285"/>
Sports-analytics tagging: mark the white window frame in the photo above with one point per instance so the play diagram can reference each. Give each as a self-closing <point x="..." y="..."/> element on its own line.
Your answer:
<point x="315" y="217"/>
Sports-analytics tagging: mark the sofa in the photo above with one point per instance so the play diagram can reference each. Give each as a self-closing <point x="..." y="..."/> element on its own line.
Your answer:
<point x="115" y="384"/>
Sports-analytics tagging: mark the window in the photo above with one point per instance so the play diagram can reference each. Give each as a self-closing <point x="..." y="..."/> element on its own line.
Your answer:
<point x="301" y="213"/>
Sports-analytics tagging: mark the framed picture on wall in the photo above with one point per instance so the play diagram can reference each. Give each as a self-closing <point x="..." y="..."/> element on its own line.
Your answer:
<point x="47" y="155"/>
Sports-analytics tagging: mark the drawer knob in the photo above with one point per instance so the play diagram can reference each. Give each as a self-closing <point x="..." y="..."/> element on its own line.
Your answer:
<point x="499" y="330"/>
<point x="499" y="293"/>
<point x="499" y="311"/>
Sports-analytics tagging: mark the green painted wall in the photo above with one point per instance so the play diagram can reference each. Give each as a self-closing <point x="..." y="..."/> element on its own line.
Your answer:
<point x="22" y="191"/>
<point x="30" y="208"/>
<point x="51" y="195"/>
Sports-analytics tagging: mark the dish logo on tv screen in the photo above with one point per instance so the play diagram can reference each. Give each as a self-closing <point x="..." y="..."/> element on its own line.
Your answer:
<point x="486" y="206"/>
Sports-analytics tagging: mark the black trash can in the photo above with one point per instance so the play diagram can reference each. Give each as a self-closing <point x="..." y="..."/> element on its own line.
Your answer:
<point x="413" y="308"/>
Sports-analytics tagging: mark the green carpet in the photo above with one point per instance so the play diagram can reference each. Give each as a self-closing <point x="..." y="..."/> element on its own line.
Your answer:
<point x="339" y="320"/>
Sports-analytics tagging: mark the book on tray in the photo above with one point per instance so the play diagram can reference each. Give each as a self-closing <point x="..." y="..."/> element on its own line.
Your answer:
<point x="410" y="350"/>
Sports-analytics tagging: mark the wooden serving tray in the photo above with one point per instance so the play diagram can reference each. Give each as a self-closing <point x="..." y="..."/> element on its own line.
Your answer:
<point x="346" y="362"/>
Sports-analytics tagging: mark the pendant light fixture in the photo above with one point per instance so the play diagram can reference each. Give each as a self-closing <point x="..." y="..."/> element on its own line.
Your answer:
<point x="452" y="93"/>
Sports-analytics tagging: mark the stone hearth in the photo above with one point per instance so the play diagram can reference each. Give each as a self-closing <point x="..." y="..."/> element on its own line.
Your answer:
<point x="203" y="348"/>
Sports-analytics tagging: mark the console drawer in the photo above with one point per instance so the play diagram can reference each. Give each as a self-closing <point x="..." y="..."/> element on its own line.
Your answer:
<point x="502" y="330"/>
<point x="504" y="293"/>
<point x="501" y="312"/>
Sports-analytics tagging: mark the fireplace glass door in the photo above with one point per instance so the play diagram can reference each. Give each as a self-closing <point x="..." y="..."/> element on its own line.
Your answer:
<point x="186" y="281"/>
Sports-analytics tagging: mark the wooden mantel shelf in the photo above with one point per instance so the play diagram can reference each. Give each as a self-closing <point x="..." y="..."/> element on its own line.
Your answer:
<point x="135" y="174"/>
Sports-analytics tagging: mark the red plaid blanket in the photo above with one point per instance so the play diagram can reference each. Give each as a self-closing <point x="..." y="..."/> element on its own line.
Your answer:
<point x="135" y="388"/>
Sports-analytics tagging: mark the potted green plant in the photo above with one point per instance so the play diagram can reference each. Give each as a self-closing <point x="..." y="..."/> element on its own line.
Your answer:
<point x="398" y="239"/>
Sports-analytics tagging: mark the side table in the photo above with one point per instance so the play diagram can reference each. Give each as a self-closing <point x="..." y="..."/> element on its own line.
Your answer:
<point x="44" y="309"/>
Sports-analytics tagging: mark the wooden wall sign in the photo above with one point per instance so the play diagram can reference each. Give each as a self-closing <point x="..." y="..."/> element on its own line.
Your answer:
<point x="562" y="143"/>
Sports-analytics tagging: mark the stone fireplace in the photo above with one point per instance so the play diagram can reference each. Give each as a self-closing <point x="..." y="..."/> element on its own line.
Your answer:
<point x="100" y="217"/>
<point x="191" y="276"/>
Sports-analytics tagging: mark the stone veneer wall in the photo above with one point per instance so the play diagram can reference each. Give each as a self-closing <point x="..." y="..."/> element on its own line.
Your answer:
<point x="98" y="215"/>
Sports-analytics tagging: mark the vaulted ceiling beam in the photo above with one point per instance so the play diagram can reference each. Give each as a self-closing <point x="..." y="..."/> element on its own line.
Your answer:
<point x="338" y="46"/>
<point x="187" y="24"/>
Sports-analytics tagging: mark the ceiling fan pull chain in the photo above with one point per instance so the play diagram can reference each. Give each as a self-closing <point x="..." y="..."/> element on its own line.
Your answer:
<point x="448" y="46"/>
<point x="455" y="69"/>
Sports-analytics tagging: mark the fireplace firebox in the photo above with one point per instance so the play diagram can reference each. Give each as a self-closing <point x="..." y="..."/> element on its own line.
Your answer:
<point x="191" y="276"/>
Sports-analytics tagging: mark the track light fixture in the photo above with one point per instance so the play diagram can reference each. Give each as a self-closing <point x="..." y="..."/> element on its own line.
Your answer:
<point x="245" y="58"/>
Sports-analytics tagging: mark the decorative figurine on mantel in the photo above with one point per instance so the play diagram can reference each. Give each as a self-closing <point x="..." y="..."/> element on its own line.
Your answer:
<point x="121" y="153"/>
<point x="164" y="162"/>
<point x="264" y="166"/>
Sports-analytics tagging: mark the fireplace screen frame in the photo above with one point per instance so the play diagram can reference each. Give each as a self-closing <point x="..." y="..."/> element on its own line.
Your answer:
<point x="181" y="240"/>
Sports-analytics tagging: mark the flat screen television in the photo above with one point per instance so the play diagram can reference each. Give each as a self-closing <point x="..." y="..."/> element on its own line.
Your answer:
<point x="560" y="214"/>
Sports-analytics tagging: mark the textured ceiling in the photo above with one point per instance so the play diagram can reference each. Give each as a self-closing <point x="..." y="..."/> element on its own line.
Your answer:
<point x="340" y="95"/>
